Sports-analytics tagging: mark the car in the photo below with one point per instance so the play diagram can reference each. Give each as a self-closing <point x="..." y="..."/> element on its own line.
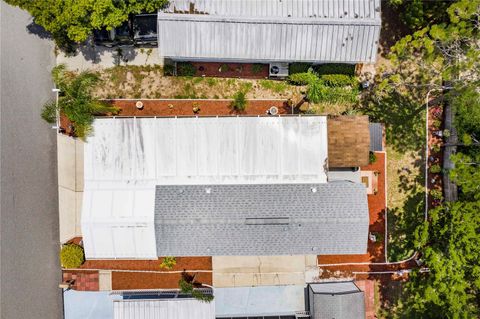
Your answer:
<point x="145" y="29"/>
<point x="103" y="37"/>
<point x="121" y="35"/>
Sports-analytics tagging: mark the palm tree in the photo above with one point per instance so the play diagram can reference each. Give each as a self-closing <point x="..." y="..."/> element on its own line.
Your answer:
<point x="76" y="101"/>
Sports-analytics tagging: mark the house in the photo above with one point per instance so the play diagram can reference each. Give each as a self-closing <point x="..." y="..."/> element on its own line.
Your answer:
<point x="219" y="186"/>
<point x="271" y="31"/>
<point x="322" y="300"/>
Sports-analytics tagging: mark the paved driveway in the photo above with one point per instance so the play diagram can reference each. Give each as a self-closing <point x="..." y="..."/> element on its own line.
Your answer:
<point x="30" y="271"/>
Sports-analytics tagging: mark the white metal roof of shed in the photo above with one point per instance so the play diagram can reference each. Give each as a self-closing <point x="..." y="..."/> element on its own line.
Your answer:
<point x="127" y="157"/>
<point x="258" y="30"/>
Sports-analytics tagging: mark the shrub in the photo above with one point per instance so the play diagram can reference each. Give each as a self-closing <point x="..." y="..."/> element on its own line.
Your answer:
<point x="186" y="69"/>
<point x="436" y="194"/>
<point x="339" y="80"/>
<point x="299" y="68"/>
<point x="168" y="70"/>
<point x="76" y="100"/>
<point x="335" y="68"/>
<point x="436" y="148"/>
<point x="224" y="68"/>
<point x="168" y="262"/>
<point x="315" y="92"/>
<point x="372" y="158"/>
<point x="436" y="123"/>
<point x="71" y="256"/>
<point x="187" y="288"/>
<point x="302" y="78"/>
<point x="49" y="113"/>
<point x="435" y="169"/>
<point x="239" y="101"/>
<point x="257" y="68"/>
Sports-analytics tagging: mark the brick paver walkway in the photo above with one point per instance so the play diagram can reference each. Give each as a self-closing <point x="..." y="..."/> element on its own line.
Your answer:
<point x="83" y="280"/>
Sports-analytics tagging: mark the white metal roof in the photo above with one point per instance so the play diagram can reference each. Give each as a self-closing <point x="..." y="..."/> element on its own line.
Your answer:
<point x="270" y="30"/>
<point x="314" y="9"/>
<point x="207" y="150"/>
<point x="127" y="157"/>
<point x="163" y="309"/>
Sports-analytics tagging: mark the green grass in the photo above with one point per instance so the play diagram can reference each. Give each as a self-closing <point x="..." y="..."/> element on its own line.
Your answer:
<point x="274" y="86"/>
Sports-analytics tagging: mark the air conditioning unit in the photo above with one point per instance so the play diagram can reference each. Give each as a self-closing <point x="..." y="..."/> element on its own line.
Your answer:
<point x="278" y="70"/>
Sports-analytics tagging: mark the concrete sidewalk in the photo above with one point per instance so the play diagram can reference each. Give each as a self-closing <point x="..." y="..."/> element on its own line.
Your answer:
<point x="70" y="186"/>
<point x="91" y="57"/>
<point x="250" y="271"/>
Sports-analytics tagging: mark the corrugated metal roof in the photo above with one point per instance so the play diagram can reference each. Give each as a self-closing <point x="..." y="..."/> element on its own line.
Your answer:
<point x="164" y="308"/>
<point x="315" y="9"/>
<point x="291" y="30"/>
<point x="376" y="137"/>
<point x="210" y="220"/>
<point x="207" y="150"/>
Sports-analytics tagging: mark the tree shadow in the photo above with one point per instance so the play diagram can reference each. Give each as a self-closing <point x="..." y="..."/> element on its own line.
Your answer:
<point x="402" y="116"/>
<point x="94" y="53"/>
<point x="39" y="31"/>
<point x="402" y="224"/>
<point x="393" y="29"/>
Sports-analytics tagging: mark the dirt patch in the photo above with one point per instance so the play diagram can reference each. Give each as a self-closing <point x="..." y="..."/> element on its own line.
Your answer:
<point x="132" y="280"/>
<point x="188" y="263"/>
<point x="231" y="70"/>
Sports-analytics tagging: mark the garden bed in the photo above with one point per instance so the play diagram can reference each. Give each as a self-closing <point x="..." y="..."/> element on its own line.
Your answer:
<point x="206" y="107"/>
<point x="231" y="70"/>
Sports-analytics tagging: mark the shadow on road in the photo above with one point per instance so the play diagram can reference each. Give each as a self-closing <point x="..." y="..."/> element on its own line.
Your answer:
<point x="39" y="31"/>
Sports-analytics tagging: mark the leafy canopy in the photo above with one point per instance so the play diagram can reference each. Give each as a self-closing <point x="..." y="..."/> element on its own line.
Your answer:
<point x="76" y="19"/>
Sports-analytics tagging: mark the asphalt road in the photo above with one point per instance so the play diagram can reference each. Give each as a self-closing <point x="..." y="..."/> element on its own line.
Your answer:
<point x="29" y="240"/>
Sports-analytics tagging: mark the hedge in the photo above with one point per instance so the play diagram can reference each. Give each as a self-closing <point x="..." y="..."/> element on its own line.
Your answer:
<point x="339" y="80"/>
<point x="186" y="69"/>
<point x="294" y="68"/>
<point x="335" y="68"/>
<point x="71" y="256"/>
<point x="302" y="78"/>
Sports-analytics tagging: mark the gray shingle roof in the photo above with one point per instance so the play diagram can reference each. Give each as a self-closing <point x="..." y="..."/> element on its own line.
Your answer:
<point x="341" y="300"/>
<point x="198" y="220"/>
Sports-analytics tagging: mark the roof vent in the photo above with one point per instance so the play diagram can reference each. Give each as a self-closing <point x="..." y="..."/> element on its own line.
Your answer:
<point x="267" y="221"/>
<point x="208" y="190"/>
<point x="313" y="189"/>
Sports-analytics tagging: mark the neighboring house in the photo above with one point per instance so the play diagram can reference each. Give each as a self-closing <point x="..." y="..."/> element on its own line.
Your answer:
<point x="328" y="31"/>
<point x="325" y="300"/>
<point x="213" y="186"/>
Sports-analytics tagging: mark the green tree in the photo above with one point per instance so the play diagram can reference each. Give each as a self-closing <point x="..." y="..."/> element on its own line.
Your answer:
<point x="74" y="20"/>
<point x="417" y="14"/>
<point x="76" y="100"/>
<point x="449" y="244"/>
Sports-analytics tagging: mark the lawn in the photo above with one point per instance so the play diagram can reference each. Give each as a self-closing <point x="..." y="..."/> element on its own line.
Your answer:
<point x="149" y="82"/>
<point x="405" y="191"/>
<point x="404" y="119"/>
